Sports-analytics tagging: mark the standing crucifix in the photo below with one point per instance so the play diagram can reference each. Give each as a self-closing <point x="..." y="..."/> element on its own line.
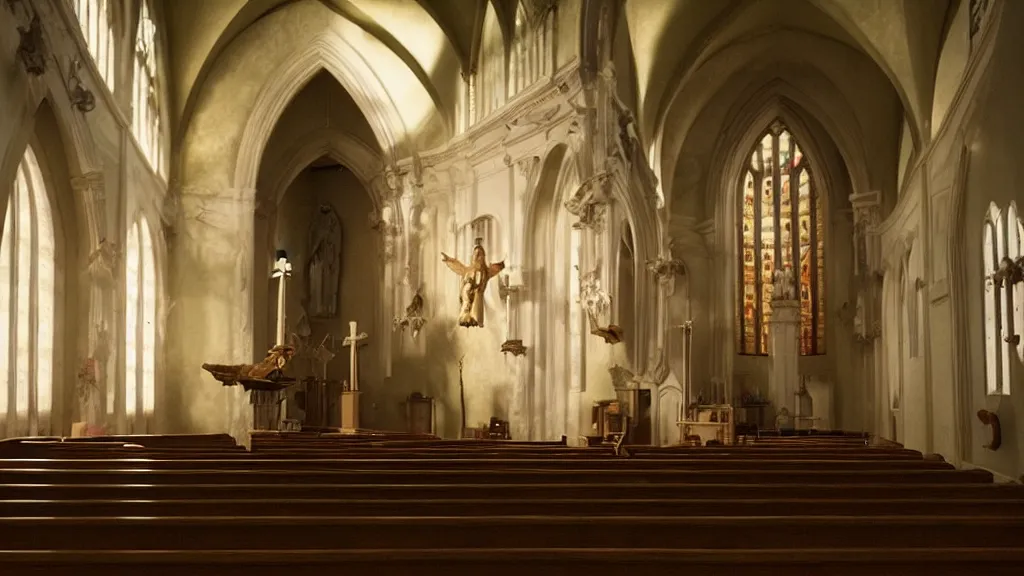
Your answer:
<point x="282" y="271"/>
<point x="354" y="340"/>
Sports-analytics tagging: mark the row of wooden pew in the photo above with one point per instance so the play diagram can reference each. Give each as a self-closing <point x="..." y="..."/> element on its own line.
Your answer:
<point x="397" y="504"/>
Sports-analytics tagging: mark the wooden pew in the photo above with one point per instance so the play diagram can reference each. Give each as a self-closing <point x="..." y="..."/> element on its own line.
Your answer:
<point x="508" y="561"/>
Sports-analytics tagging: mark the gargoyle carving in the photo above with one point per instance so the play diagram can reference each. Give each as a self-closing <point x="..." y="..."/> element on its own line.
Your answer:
<point x="991" y="420"/>
<point x="270" y="369"/>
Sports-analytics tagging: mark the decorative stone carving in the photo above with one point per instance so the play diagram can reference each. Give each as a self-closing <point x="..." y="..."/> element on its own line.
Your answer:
<point x="991" y="420"/>
<point x="528" y="167"/>
<point x="383" y="223"/>
<point x="323" y="270"/>
<point x="783" y="288"/>
<point x="596" y="302"/>
<point x="1010" y="271"/>
<point x="589" y="203"/>
<point x="514" y="347"/>
<point x="666" y="268"/>
<point x="81" y="97"/>
<point x="32" y="48"/>
<point x="413" y="318"/>
<point x="104" y="262"/>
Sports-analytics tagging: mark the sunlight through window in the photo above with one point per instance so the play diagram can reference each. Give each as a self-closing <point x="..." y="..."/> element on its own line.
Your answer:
<point x="96" y="19"/>
<point x="27" y="303"/>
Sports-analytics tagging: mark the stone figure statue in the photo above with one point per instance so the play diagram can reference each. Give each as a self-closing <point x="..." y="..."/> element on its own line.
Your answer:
<point x="474" y="282"/>
<point x="324" y="267"/>
<point x="784" y="284"/>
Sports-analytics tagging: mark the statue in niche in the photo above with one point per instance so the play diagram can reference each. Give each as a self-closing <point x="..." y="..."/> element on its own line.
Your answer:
<point x="474" y="282"/>
<point x="324" y="267"/>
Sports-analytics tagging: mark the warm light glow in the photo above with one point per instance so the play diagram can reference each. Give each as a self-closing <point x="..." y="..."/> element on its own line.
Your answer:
<point x="782" y="227"/>
<point x="96" y="20"/>
<point x="27" y="298"/>
<point x="146" y="121"/>
<point x="1002" y="234"/>
<point x="140" y="324"/>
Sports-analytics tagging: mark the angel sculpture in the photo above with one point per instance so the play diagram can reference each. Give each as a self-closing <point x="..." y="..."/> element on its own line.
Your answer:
<point x="474" y="282"/>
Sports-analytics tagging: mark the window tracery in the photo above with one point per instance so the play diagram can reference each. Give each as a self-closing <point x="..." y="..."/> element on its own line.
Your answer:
<point x="1002" y="235"/>
<point x="96" y="18"/>
<point x="28" y="288"/>
<point x="778" y="197"/>
<point x="147" y="125"/>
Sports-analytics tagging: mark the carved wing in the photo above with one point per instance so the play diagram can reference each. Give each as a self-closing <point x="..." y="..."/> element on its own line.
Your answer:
<point x="453" y="264"/>
<point x="495" y="268"/>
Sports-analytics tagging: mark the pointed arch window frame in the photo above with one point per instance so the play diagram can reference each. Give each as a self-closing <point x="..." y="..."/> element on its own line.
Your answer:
<point x="142" y="294"/>
<point x="29" y="288"/>
<point x="812" y="305"/>
<point x="147" y="106"/>
<point x="97" y="20"/>
<point x="1002" y="302"/>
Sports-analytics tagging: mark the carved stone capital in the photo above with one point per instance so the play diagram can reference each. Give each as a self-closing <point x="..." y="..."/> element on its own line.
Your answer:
<point x="528" y="166"/>
<point x="514" y="347"/>
<point x="89" y="183"/>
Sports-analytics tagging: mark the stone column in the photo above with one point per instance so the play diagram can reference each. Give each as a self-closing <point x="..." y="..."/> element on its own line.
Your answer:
<point x="867" y="322"/>
<point x="784" y="351"/>
<point x="97" y="369"/>
<point x="212" y="309"/>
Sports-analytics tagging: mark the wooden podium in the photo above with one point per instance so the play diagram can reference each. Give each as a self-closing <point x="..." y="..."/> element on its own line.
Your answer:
<point x="350" y="409"/>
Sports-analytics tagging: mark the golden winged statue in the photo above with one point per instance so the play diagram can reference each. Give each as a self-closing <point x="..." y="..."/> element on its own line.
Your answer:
<point x="474" y="281"/>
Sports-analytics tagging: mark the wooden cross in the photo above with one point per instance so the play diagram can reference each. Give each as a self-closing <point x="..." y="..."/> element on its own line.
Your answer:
<point x="354" y="340"/>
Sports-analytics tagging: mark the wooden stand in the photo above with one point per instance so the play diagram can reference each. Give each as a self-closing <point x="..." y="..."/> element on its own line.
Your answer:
<point x="350" y="409"/>
<point x="712" y="422"/>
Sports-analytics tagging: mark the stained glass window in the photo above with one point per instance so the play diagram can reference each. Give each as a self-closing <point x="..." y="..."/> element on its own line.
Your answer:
<point x="782" y="227"/>
<point x="28" y="286"/>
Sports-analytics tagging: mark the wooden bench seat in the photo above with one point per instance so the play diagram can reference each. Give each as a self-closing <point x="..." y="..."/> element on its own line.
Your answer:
<point x="470" y="463"/>
<point x="369" y="475"/>
<point x="614" y="489"/>
<point x="548" y="531"/>
<point x="510" y="561"/>
<point x="994" y="507"/>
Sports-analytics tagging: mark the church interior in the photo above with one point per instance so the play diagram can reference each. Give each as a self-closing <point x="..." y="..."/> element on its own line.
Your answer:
<point x="390" y="238"/>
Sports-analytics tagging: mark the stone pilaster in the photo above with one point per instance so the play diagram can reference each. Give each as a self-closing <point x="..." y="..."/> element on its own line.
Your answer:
<point x="97" y="389"/>
<point x="212" y="307"/>
<point x="784" y="350"/>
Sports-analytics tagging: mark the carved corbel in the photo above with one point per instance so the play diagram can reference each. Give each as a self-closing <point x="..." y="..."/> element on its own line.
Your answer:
<point x="383" y="223"/>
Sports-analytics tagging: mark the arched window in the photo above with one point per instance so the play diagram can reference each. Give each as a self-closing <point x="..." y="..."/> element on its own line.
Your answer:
<point x="27" y="304"/>
<point x="1001" y="247"/>
<point x="778" y="196"/>
<point x="519" y="74"/>
<point x="140" y="325"/>
<point x="96" y="18"/>
<point x="146" y="122"/>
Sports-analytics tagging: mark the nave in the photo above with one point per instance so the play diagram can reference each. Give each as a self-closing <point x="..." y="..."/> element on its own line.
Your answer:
<point x="822" y="503"/>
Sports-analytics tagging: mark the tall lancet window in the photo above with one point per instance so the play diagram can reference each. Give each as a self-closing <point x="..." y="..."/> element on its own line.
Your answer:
<point x="28" y="289"/>
<point x="782" y="226"/>
<point x="1002" y="235"/>
<point x="146" y="122"/>
<point x="96" y="18"/>
<point x="140" y="325"/>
